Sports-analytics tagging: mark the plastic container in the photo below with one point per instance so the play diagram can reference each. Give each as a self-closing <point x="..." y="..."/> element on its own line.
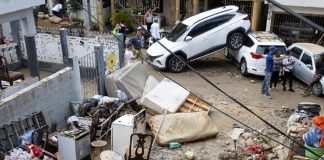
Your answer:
<point x="173" y="145"/>
<point x="318" y="151"/>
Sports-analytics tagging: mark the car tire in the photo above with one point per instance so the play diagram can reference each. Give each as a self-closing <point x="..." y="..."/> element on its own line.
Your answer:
<point x="175" y="65"/>
<point x="318" y="89"/>
<point x="235" y="41"/>
<point x="226" y="53"/>
<point x="243" y="68"/>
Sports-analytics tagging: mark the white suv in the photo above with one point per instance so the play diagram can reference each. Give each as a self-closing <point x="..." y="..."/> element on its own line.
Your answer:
<point x="256" y="43"/>
<point x="200" y="35"/>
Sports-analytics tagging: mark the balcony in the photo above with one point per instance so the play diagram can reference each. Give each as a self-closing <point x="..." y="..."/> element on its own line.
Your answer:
<point x="9" y="6"/>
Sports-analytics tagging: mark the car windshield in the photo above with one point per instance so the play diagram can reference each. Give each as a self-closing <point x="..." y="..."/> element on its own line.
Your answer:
<point x="177" y="31"/>
<point x="265" y="49"/>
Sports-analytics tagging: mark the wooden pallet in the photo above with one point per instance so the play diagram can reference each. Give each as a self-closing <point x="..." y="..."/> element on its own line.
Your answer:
<point x="194" y="104"/>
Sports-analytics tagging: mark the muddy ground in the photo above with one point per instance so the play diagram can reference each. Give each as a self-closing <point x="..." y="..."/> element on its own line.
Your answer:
<point x="226" y="75"/>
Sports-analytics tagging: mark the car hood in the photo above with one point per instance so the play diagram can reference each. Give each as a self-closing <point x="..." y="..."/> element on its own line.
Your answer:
<point x="156" y="49"/>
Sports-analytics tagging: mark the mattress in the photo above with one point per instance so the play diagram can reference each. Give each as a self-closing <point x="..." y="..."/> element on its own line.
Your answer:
<point x="167" y="95"/>
<point x="132" y="81"/>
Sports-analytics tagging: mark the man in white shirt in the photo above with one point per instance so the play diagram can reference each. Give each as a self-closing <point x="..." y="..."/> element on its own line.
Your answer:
<point x="129" y="55"/>
<point x="288" y="65"/>
<point x="155" y="29"/>
<point x="58" y="10"/>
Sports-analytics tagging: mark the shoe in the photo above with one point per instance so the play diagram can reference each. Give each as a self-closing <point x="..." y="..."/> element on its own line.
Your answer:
<point x="267" y="96"/>
<point x="284" y="89"/>
<point x="291" y="90"/>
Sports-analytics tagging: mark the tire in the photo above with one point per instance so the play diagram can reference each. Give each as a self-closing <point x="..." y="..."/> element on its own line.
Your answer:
<point x="227" y="54"/>
<point x="318" y="89"/>
<point x="235" y="41"/>
<point x="243" y="68"/>
<point x="175" y="65"/>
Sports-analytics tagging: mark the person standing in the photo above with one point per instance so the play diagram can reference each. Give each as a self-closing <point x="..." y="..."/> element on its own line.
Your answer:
<point x="58" y="10"/>
<point x="268" y="71"/>
<point x="275" y="73"/>
<point x="288" y="65"/>
<point x="137" y="43"/>
<point x="319" y="73"/>
<point x="123" y="29"/>
<point x="129" y="55"/>
<point x="155" y="29"/>
<point x="149" y="18"/>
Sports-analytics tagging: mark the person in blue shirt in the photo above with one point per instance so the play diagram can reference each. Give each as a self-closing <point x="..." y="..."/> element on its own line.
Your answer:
<point x="268" y="70"/>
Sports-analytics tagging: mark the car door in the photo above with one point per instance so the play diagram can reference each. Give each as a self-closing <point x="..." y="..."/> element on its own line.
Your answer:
<point x="306" y="67"/>
<point x="296" y="57"/>
<point x="204" y="36"/>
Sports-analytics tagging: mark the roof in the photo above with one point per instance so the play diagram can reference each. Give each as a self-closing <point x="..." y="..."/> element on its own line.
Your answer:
<point x="314" y="48"/>
<point x="266" y="38"/>
<point x="193" y="19"/>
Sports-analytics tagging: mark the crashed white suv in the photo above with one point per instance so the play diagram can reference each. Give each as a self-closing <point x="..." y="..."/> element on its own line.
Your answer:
<point x="256" y="43"/>
<point x="200" y="35"/>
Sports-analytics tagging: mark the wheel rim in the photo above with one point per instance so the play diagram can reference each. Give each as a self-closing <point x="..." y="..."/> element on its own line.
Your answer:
<point x="177" y="65"/>
<point x="236" y="41"/>
<point x="317" y="89"/>
<point x="243" y="67"/>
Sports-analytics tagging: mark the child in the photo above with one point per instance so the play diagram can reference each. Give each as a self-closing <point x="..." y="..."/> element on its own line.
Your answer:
<point x="129" y="55"/>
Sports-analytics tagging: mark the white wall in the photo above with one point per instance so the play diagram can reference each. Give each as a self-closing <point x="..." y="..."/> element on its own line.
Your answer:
<point x="9" y="6"/>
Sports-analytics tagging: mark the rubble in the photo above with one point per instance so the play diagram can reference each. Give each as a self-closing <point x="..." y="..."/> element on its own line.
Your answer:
<point x="190" y="155"/>
<point x="284" y="112"/>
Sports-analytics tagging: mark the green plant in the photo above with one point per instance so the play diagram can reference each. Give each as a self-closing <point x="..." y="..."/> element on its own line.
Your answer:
<point x="122" y="16"/>
<point x="94" y="26"/>
<point x="75" y="5"/>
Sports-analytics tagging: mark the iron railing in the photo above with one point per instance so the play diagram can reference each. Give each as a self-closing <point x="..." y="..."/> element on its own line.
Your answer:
<point x="292" y="30"/>
<point x="245" y="6"/>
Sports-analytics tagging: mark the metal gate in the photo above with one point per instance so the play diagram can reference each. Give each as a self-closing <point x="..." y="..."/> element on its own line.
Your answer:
<point x="89" y="75"/>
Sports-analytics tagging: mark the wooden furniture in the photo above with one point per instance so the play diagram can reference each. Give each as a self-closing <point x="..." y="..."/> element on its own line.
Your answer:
<point x="143" y="147"/>
<point x="6" y="75"/>
<point x="96" y="148"/>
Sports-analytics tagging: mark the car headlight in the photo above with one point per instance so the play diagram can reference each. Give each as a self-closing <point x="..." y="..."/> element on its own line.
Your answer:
<point x="152" y="58"/>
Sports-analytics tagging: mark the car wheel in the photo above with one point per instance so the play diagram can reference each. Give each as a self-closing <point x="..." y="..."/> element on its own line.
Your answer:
<point x="317" y="89"/>
<point x="243" y="67"/>
<point x="226" y="53"/>
<point x="175" y="64"/>
<point x="235" y="41"/>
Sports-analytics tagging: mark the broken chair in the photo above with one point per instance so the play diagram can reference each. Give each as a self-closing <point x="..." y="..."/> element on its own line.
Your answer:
<point x="6" y="75"/>
<point x="142" y="150"/>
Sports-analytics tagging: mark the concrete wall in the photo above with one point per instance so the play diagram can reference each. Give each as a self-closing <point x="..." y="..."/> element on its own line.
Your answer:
<point x="169" y="12"/>
<point x="51" y="95"/>
<point x="9" y="6"/>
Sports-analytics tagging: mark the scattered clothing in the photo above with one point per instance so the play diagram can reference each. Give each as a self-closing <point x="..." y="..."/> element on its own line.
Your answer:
<point x="318" y="121"/>
<point x="313" y="137"/>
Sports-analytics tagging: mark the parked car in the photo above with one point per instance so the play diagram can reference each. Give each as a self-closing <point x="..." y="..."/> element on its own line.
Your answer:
<point x="305" y="56"/>
<point x="199" y="35"/>
<point x="256" y="43"/>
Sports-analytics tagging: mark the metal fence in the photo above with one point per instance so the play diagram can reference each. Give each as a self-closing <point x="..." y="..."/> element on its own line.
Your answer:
<point x="89" y="75"/>
<point x="245" y="6"/>
<point x="292" y="29"/>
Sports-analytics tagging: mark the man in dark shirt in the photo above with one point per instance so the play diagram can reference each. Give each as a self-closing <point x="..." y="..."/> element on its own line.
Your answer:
<point x="137" y="43"/>
<point x="318" y="74"/>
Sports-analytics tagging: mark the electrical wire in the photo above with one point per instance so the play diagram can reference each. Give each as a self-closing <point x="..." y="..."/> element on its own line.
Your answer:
<point x="214" y="85"/>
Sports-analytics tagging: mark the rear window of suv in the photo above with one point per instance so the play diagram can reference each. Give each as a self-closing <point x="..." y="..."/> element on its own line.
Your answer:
<point x="265" y="49"/>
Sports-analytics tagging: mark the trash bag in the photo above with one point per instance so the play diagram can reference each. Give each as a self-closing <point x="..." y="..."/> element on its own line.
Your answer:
<point x="313" y="137"/>
<point x="86" y="106"/>
<point x="122" y="96"/>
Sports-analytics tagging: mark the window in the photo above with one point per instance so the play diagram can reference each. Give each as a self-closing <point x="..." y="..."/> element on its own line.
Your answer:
<point x="209" y="24"/>
<point x="297" y="52"/>
<point x="265" y="49"/>
<point x="249" y="42"/>
<point x="177" y="31"/>
<point x="306" y="59"/>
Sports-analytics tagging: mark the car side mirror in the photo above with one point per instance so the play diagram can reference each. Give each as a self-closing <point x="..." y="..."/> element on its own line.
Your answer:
<point x="309" y="66"/>
<point x="188" y="38"/>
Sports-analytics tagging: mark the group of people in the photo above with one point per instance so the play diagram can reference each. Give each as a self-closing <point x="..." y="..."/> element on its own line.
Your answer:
<point x="133" y="47"/>
<point x="275" y="63"/>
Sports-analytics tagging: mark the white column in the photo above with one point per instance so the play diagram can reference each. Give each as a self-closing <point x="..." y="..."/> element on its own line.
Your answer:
<point x="269" y="19"/>
<point x="28" y="23"/>
<point x="86" y="14"/>
<point x="50" y="6"/>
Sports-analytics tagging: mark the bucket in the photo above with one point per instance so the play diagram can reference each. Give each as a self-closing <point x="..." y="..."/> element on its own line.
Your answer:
<point x="318" y="151"/>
